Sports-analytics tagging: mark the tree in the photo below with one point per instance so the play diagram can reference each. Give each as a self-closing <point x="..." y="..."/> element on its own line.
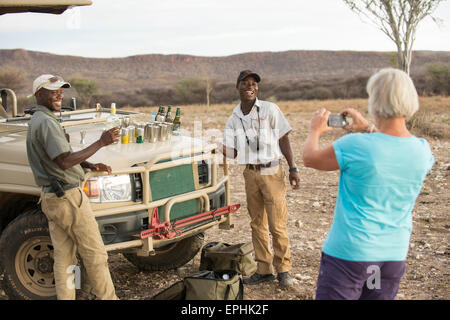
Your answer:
<point x="85" y="88"/>
<point x="209" y="82"/>
<point x="209" y="87"/>
<point x="398" y="19"/>
<point x="13" y="79"/>
<point x="190" y="90"/>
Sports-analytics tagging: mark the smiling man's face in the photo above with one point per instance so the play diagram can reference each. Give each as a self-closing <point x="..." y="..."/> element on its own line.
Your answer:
<point x="248" y="89"/>
<point x="51" y="99"/>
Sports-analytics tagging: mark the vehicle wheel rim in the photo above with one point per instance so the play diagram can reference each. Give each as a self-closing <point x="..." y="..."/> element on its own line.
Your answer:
<point x="34" y="266"/>
<point x="166" y="248"/>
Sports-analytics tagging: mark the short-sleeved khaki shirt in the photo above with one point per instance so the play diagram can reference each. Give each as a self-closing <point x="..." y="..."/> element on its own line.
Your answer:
<point x="45" y="141"/>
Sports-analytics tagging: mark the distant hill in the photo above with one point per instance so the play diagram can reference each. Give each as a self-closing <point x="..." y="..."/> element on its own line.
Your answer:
<point x="157" y="70"/>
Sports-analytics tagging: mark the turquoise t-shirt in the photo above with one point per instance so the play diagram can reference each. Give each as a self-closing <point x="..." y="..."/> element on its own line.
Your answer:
<point x="380" y="179"/>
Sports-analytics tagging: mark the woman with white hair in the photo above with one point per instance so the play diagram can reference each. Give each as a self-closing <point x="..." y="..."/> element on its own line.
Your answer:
<point x="382" y="169"/>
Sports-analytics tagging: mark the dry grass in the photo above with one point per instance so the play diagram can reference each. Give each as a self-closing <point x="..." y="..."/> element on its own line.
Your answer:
<point x="432" y="119"/>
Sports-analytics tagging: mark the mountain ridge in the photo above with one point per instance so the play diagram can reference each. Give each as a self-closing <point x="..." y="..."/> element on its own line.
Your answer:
<point x="165" y="70"/>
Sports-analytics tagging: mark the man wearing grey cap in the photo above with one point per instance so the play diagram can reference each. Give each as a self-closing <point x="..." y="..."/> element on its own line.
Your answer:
<point x="257" y="135"/>
<point x="59" y="171"/>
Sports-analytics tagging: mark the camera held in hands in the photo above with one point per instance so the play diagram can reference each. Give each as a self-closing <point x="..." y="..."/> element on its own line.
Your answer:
<point x="337" y="121"/>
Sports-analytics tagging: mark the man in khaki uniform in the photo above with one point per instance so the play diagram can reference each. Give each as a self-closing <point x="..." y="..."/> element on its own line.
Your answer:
<point x="257" y="134"/>
<point x="72" y="225"/>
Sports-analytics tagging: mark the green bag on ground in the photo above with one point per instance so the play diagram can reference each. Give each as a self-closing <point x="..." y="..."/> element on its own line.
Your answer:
<point x="177" y="291"/>
<point x="217" y="256"/>
<point x="210" y="285"/>
<point x="206" y="285"/>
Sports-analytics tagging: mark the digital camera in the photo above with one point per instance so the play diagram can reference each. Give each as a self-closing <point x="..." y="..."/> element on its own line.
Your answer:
<point x="337" y="121"/>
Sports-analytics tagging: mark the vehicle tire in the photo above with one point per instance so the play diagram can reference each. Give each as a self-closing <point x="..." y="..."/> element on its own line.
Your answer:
<point x="169" y="257"/>
<point x="26" y="258"/>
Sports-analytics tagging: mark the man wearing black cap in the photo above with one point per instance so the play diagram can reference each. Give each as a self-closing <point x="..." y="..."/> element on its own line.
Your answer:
<point x="257" y="135"/>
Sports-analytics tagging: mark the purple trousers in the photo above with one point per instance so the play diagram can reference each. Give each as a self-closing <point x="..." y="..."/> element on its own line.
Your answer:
<point x="354" y="280"/>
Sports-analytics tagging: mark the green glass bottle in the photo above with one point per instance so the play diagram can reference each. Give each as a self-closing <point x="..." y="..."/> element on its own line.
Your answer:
<point x="160" y="116"/>
<point x="177" y="120"/>
<point x="169" y="117"/>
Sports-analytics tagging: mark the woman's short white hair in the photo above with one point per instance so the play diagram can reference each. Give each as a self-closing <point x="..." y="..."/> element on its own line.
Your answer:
<point x="392" y="94"/>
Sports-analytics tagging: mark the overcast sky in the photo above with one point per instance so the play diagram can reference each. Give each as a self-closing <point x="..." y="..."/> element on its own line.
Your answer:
<point x="119" y="28"/>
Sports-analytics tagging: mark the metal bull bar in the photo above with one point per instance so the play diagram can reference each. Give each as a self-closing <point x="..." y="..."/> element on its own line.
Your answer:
<point x="168" y="230"/>
<point x="162" y="233"/>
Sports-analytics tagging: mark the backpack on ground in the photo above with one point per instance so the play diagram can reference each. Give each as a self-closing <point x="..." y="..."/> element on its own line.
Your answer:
<point x="217" y="256"/>
<point x="206" y="285"/>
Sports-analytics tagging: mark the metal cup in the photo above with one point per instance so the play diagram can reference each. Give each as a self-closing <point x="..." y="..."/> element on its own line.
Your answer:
<point x="152" y="133"/>
<point x="169" y="130"/>
<point x="163" y="132"/>
<point x="126" y="121"/>
<point x="83" y="136"/>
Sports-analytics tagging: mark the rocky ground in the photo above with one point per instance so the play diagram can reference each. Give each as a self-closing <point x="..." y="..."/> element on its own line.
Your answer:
<point x="311" y="212"/>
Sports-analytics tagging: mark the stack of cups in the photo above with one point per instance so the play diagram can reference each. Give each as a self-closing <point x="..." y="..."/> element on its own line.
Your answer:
<point x="163" y="132"/>
<point x="169" y="130"/>
<point x="152" y="132"/>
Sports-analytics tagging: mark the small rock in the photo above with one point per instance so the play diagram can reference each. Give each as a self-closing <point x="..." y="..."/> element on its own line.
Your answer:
<point x="298" y="223"/>
<point x="316" y="204"/>
<point x="298" y="276"/>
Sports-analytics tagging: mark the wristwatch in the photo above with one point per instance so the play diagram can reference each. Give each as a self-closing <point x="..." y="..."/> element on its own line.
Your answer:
<point x="294" y="169"/>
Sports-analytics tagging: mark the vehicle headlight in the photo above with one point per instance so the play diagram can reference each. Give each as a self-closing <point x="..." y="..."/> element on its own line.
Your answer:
<point x="109" y="188"/>
<point x="204" y="172"/>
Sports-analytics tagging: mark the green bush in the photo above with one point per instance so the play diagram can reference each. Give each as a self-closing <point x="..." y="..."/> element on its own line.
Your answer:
<point x="85" y="89"/>
<point x="192" y="90"/>
<point x="14" y="79"/>
<point x="319" y="93"/>
<point x="440" y="79"/>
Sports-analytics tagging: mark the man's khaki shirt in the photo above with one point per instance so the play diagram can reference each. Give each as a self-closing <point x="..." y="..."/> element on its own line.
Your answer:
<point x="46" y="140"/>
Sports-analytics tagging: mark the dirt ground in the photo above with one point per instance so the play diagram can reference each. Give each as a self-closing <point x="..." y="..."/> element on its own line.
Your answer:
<point x="311" y="212"/>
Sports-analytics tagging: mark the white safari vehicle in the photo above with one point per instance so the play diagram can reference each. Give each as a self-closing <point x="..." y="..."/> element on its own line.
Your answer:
<point x="154" y="207"/>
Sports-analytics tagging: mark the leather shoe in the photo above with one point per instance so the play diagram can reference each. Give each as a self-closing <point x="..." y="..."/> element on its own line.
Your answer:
<point x="257" y="278"/>
<point x="285" y="279"/>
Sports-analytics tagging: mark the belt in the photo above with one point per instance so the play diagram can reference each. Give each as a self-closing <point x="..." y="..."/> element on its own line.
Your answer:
<point x="49" y="189"/>
<point x="259" y="166"/>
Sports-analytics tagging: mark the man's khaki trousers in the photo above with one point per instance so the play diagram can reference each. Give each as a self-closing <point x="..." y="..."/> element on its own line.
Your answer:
<point x="73" y="228"/>
<point x="267" y="207"/>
